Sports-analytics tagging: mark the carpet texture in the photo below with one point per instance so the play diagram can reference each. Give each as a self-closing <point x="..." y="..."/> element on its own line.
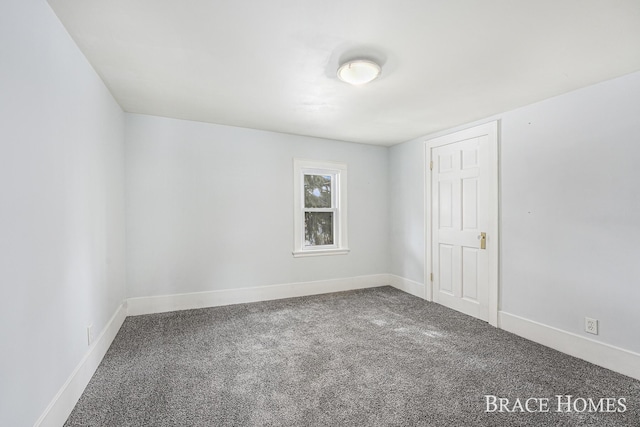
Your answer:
<point x="373" y="357"/>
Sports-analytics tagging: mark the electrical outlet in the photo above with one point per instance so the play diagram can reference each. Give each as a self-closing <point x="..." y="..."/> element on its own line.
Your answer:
<point x="591" y="325"/>
<point x="90" y="334"/>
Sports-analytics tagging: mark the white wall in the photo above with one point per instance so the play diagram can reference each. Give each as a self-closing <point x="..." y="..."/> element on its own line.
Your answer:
<point x="406" y="197"/>
<point x="570" y="205"/>
<point x="61" y="208"/>
<point x="210" y="207"/>
<point x="570" y="211"/>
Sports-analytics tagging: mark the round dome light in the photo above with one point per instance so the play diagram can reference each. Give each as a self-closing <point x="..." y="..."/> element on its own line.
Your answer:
<point x="358" y="71"/>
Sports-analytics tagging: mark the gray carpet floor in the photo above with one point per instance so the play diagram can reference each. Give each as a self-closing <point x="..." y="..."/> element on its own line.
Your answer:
<point x="374" y="357"/>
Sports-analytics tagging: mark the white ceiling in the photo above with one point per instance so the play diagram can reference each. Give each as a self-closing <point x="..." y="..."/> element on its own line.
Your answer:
<point x="272" y="64"/>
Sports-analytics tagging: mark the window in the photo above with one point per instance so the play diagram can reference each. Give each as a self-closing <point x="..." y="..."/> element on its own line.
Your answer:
<point x="320" y="200"/>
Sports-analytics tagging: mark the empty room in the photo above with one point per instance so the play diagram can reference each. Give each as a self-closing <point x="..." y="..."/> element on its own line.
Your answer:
<point x="329" y="213"/>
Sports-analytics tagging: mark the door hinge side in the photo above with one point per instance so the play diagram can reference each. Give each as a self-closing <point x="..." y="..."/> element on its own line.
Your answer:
<point x="431" y="165"/>
<point x="431" y="277"/>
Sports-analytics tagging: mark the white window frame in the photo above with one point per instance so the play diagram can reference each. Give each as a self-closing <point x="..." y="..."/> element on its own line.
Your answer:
<point x="338" y="172"/>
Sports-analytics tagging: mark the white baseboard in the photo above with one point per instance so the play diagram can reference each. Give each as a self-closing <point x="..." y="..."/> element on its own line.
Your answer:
<point x="164" y="303"/>
<point x="617" y="359"/>
<point x="620" y="360"/>
<point x="65" y="400"/>
<point x="408" y="286"/>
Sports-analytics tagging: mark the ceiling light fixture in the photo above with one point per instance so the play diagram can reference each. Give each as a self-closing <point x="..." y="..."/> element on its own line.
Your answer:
<point x="359" y="71"/>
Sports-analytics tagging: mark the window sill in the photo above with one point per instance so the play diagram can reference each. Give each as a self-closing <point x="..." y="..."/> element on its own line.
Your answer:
<point x="320" y="252"/>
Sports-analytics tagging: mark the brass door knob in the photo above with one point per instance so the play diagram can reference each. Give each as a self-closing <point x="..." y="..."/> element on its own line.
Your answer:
<point x="483" y="240"/>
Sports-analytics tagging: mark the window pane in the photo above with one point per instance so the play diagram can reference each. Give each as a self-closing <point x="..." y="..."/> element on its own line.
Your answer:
<point x="318" y="228"/>
<point x="317" y="191"/>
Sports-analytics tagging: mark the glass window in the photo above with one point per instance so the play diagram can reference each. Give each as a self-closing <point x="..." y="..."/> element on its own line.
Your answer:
<point x="320" y="208"/>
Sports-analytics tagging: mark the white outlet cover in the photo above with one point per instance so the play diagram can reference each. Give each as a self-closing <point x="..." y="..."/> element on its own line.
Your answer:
<point x="591" y="325"/>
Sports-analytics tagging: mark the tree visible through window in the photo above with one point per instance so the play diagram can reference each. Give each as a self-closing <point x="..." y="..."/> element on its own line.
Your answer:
<point x="319" y="210"/>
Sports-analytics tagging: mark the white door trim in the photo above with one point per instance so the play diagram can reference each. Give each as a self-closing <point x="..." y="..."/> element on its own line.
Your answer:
<point x="493" y="237"/>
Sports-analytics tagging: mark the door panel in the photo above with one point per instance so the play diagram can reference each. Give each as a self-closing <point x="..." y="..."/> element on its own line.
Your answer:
<point x="445" y="211"/>
<point x="446" y="268"/>
<point x="470" y="273"/>
<point x="470" y="204"/>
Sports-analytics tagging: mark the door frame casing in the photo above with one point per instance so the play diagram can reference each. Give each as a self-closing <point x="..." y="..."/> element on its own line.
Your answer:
<point x="491" y="129"/>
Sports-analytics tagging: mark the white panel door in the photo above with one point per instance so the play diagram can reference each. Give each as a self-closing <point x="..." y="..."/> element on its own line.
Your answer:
<point x="460" y="195"/>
